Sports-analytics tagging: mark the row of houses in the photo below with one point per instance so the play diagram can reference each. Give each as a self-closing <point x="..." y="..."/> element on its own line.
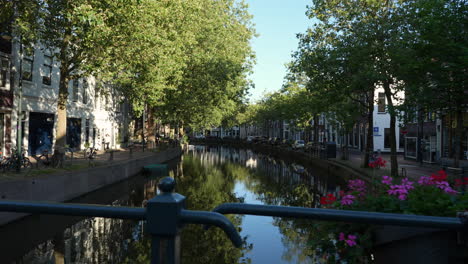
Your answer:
<point x="96" y="114"/>
<point x="436" y="132"/>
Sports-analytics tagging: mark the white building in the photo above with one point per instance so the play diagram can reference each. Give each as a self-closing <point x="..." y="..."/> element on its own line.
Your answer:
<point x="93" y="117"/>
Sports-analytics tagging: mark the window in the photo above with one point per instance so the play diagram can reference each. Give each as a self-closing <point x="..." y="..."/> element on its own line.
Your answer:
<point x="381" y="103"/>
<point x="47" y="70"/>
<point x="85" y="91"/>
<point x="387" y="138"/>
<point x="75" y="90"/>
<point x="4" y="64"/>
<point x="87" y="131"/>
<point x="28" y="62"/>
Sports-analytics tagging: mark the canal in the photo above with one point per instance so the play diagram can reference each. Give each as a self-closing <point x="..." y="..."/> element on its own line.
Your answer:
<point x="207" y="176"/>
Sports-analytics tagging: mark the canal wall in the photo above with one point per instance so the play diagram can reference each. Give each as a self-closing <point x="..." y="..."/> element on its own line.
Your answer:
<point x="69" y="185"/>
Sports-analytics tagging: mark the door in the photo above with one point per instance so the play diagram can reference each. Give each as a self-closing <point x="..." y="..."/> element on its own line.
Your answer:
<point x="74" y="133"/>
<point x="41" y="126"/>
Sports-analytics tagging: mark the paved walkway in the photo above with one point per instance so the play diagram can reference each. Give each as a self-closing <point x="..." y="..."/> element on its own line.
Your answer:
<point x="79" y="161"/>
<point x="410" y="168"/>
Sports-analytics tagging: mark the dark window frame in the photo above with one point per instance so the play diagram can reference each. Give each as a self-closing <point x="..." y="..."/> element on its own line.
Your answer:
<point x="47" y="80"/>
<point x="387" y="138"/>
<point x="30" y="59"/>
<point x="75" y="87"/>
<point x="4" y="70"/>
<point x="381" y="103"/>
<point x="85" y="91"/>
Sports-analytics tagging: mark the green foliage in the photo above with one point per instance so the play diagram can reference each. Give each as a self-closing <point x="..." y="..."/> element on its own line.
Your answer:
<point x="188" y="60"/>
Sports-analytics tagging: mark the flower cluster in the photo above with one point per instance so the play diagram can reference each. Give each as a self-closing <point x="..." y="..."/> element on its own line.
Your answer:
<point x="401" y="190"/>
<point x="387" y="180"/>
<point x="439" y="180"/>
<point x="350" y="241"/>
<point x="328" y="199"/>
<point x="392" y="196"/>
<point x="357" y="186"/>
<point x="377" y="163"/>
<point x="348" y="199"/>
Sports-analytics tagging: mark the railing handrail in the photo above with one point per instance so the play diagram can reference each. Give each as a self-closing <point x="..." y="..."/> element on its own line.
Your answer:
<point x="213" y="218"/>
<point x="343" y="215"/>
<point x="73" y="209"/>
<point x="165" y="215"/>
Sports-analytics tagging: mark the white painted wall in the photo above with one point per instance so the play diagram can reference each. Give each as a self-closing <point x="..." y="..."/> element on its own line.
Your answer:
<point x="38" y="97"/>
<point x="382" y="121"/>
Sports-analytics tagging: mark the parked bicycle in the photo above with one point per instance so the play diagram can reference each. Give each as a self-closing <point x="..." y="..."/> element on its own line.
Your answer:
<point x="91" y="153"/>
<point x="11" y="163"/>
<point x="3" y="161"/>
<point x="43" y="160"/>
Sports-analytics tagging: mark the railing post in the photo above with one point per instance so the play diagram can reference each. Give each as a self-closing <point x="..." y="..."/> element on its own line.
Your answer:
<point x="163" y="218"/>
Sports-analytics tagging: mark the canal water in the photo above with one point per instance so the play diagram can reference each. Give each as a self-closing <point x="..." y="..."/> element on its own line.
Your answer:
<point x="207" y="176"/>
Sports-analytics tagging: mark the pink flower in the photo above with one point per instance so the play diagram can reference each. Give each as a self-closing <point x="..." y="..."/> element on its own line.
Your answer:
<point x="341" y="237"/>
<point x="351" y="241"/>
<point x="387" y="180"/>
<point x="357" y="186"/>
<point x="445" y="186"/>
<point x="425" y="180"/>
<point x="401" y="190"/>
<point x="348" y="199"/>
<point x="438" y="181"/>
<point x="408" y="184"/>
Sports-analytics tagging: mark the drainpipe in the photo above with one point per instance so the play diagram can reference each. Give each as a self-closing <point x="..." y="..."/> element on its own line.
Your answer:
<point x="19" y="118"/>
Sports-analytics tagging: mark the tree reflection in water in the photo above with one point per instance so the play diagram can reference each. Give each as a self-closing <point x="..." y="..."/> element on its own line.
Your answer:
<point x="205" y="186"/>
<point x="207" y="177"/>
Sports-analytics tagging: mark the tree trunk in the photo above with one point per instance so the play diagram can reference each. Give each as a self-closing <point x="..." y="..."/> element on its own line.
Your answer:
<point x="458" y="136"/>
<point x="151" y="125"/>
<point x="391" y="110"/>
<point x="344" y="146"/>
<point x="316" y="129"/>
<point x="420" y="136"/>
<point x="61" y="132"/>
<point x="370" y="130"/>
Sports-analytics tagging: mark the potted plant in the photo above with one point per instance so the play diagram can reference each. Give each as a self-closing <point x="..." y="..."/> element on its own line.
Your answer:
<point x="335" y="242"/>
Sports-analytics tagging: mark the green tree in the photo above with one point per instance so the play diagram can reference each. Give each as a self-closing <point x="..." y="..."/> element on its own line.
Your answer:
<point x="431" y="59"/>
<point x="355" y="39"/>
<point x="75" y="32"/>
<point x="213" y="79"/>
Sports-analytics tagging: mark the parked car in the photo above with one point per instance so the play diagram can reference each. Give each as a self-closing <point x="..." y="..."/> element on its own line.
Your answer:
<point x="200" y="136"/>
<point x="250" y="138"/>
<point x="298" y="144"/>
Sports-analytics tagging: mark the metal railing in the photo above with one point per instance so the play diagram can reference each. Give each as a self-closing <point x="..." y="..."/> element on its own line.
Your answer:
<point x="165" y="216"/>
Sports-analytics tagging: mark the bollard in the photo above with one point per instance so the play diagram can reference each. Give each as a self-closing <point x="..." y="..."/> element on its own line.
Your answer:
<point x="111" y="155"/>
<point x="164" y="222"/>
<point x="131" y="152"/>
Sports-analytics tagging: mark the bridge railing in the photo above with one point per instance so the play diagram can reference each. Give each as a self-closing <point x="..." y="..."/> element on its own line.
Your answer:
<point x="165" y="216"/>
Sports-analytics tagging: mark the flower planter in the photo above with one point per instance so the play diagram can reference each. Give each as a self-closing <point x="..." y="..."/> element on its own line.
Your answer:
<point x="418" y="245"/>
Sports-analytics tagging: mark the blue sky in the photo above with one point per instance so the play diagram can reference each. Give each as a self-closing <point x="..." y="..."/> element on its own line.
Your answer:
<point x="277" y="22"/>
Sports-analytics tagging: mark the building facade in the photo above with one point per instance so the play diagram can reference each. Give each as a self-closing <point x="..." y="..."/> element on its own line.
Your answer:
<point x="30" y="75"/>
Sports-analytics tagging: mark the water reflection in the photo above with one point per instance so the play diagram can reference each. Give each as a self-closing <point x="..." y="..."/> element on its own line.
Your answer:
<point x="207" y="176"/>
